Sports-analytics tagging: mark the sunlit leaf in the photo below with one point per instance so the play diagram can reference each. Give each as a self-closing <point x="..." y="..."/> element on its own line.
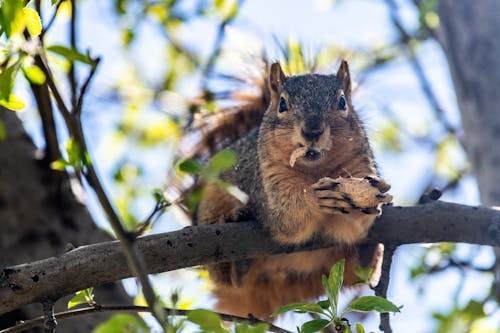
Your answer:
<point x="59" y="164"/>
<point x="121" y="323"/>
<point x="84" y="296"/>
<point x="206" y="320"/>
<point x="34" y="74"/>
<point x="372" y="303"/>
<point x="360" y="328"/>
<point x="32" y="22"/>
<point x="13" y="103"/>
<point x="7" y="81"/>
<point x="245" y="327"/>
<point x="11" y="17"/>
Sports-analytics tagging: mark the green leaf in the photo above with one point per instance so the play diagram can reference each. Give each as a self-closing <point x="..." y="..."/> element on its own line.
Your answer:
<point x="333" y="283"/>
<point x="34" y="74"/>
<point x="364" y="273"/>
<point x="32" y="22"/>
<point x="360" y="328"/>
<point x="207" y="320"/>
<point x="190" y="166"/>
<point x="59" y="164"/>
<point x="7" y="81"/>
<point x="299" y="307"/>
<point x="121" y="323"/>
<point x="372" y="303"/>
<point x="314" y="325"/>
<point x="13" y="103"/>
<point x="325" y="304"/>
<point x="70" y="54"/>
<point x="159" y="197"/>
<point x="222" y="161"/>
<point x="84" y="296"/>
<point x="245" y="327"/>
<point x="11" y="17"/>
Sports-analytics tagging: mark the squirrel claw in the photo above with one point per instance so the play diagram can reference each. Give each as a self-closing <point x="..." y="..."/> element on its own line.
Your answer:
<point x="344" y="195"/>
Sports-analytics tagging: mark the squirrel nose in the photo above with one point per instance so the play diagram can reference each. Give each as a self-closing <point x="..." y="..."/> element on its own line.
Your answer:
<point x="312" y="135"/>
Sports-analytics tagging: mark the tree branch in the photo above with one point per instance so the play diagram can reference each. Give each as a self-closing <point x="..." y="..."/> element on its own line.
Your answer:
<point x="101" y="263"/>
<point x="131" y="308"/>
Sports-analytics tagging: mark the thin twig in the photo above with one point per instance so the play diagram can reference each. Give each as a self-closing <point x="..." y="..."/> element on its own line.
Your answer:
<point x="383" y="285"/>
<point x="52" y="19"/>
<point x="159" y="207"/>
<point x="134" y="308"/>
<point x="83" y="90"/>
<point x="71" y="72"/>
<point x="418" y="68"/>
<point x="127" y="240"/>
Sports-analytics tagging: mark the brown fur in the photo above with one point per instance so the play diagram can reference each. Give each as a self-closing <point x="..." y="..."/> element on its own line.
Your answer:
<point x="301" y="202"/>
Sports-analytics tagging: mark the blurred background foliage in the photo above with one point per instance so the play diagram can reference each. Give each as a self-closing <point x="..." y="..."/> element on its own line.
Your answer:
<point x="166" y="61"/>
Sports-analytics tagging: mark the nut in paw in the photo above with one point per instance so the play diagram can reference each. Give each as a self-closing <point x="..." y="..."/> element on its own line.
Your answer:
<point x="342" y="195"/>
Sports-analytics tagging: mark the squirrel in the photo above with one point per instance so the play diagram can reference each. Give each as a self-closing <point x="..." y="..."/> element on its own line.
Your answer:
<point x="306" y="164"/>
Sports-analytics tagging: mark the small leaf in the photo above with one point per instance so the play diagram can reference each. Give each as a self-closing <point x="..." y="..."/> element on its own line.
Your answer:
<point x="325" y="304"/>
<point x="372" y="303"/>
<point x="245" y="327"/>
<point x="207" y="320"/>
<point x="190" y="166"/>
<point x="34" y="74"/>
<point x="333" y="283"/>
<point x="364" y="273"/>
<point x="7" y="81"/>
<point x="70" y="54"/>
<point x="222" y="161"/>
<point x="123" y="323"/>
<point x="360" y="328"/>
<point x="12" y="103"/>
<point x="299" y="307"/>
<point x="59" y="164"/>
<point x="159" y="197"/>
<point x="314" y="325"/>
<point x="84" y="296"/>
<point x="32" y="22"/>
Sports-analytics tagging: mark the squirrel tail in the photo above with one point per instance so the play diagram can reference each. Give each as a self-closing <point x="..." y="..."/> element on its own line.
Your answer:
<point x="242" y="107"/>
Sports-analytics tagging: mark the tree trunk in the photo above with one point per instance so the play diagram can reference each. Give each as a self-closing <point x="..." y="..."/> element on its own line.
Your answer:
<point x="469" y="34"/>
<point x="39" y="215"/>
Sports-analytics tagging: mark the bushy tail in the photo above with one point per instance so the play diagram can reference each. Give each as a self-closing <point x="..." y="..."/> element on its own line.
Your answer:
<point x="240" y="108"/>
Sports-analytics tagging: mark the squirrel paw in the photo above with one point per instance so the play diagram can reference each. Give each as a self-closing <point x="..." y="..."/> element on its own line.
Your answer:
<point x="342" y="195"/>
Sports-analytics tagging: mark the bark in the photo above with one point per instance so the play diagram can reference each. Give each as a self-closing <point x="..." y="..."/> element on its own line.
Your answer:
<point x="103" y="263"/>
<point x="39" y="215"/>
<point x="469" y="34"/>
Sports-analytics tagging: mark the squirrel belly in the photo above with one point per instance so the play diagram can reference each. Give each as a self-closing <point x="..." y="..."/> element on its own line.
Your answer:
<point x="308" y="171"/>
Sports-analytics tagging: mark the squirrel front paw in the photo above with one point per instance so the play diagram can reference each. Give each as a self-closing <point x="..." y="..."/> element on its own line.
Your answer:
<point x="341" y="195"/>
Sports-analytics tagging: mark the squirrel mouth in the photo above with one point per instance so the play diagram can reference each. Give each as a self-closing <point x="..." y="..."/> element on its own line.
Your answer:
<point x="312" y="155"/>
<point x="309" y="154"/>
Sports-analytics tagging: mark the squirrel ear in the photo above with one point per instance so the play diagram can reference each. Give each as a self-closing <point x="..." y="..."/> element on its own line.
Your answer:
<point x="276" y="78"/>
<point x="345" y="78"/>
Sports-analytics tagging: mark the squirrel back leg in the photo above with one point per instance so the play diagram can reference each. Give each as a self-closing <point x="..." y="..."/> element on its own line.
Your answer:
<point x="278" y="280"/>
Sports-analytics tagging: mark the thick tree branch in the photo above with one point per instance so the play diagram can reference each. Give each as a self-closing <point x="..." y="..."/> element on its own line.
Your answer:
<point x="105" y="262"/>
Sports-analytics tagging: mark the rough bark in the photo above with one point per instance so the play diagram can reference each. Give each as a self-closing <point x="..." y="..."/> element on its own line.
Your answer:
<point x="39" y="215"/>
<point x="103" y="263"/>
<point x="469" y="34"/>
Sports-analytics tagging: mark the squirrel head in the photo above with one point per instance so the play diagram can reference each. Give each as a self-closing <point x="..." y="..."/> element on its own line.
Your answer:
<point x="310" y="111"/>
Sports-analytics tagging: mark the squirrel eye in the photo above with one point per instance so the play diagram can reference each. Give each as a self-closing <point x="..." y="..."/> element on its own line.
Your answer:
<point x="282" y="106"/>
<point x="342" y="104"/>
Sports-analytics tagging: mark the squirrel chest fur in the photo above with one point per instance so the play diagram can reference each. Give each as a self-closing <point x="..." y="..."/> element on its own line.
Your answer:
<point x="309" y="172"/>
